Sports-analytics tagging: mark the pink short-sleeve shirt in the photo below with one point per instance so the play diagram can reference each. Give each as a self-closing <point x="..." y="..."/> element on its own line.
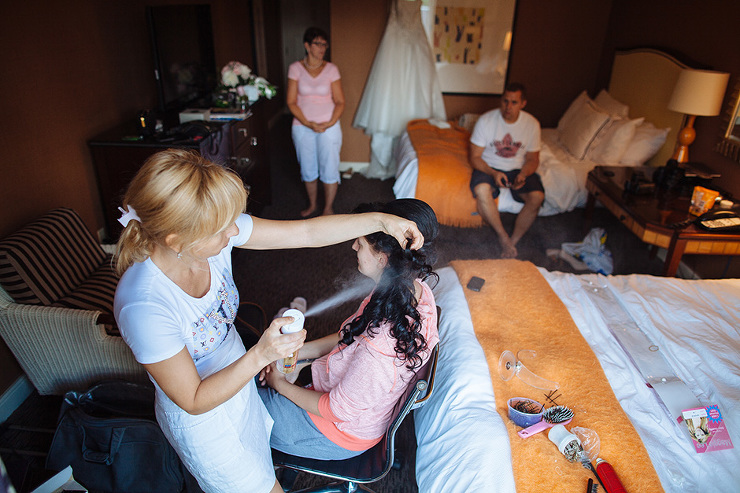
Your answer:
<point x="314" y="93"/>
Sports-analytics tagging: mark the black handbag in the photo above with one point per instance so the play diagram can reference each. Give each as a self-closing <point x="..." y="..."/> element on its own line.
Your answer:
<point x="110" y="437"/>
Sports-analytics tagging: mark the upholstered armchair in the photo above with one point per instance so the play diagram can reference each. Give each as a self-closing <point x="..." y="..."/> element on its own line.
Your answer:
<point x="56" y="304"/>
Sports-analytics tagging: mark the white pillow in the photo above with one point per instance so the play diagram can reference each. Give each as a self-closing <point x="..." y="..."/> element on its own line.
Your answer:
<point x="645" y="144"/>
<point x="612" y="141"/>
<point x="580" y="126"/>
<point x="611" y="105"/>
<point x="573" y="109"/>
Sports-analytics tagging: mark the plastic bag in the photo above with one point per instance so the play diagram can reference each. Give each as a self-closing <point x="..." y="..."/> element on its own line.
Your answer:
<point x="592" y="251"/>
<point x="590" y="442"/>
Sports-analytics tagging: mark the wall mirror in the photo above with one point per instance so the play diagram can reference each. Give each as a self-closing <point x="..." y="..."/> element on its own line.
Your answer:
<point x="471" y="40"/>
<point x="730" y="143"/>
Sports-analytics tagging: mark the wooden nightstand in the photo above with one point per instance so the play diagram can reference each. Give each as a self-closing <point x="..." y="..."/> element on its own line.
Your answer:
<point x="650" y="216"/>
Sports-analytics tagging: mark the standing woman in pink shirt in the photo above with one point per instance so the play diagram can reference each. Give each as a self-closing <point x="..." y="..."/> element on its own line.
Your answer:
<point x="316" y="100"/>
<point x="364" y="369"/>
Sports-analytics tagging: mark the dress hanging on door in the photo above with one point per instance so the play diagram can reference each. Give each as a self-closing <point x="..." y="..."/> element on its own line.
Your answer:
<point x="402" y="86"/>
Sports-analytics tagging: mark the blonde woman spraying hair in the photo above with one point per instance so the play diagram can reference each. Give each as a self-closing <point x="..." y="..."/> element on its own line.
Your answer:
<point x="176" y="303"/>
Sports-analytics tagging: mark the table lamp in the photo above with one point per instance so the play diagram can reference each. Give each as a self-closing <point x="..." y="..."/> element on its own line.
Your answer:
<point x="697" y="93"/>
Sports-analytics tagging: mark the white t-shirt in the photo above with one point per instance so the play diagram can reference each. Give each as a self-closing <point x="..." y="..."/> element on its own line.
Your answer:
<point x="157" y="319"/>
<point x="506" y="144"/>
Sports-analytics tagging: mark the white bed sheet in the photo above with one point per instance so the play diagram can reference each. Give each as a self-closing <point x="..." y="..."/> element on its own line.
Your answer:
<point x="696" y="324"/>
<point x="563" y="176"/>
<point x="462" y="443"/>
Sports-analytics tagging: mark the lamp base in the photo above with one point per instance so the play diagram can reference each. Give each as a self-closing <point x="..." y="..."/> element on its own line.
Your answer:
<point x="685" y="137"/>
<point x="681" y="155"/>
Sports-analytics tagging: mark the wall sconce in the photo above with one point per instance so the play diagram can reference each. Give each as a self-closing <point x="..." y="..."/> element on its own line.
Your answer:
<point x="697" y="93"/>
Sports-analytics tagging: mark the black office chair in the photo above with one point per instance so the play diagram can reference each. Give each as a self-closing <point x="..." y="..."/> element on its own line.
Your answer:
<point x="373" y="464"/>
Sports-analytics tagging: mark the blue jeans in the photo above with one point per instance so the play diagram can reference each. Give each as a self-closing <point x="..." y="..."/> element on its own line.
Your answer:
<point x="294" y="433"/>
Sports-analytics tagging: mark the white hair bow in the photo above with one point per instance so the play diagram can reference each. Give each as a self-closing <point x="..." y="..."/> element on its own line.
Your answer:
<point x="127" y="216"/>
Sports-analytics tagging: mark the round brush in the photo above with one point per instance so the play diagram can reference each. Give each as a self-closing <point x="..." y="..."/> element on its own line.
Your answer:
<point x="552" y="416"/>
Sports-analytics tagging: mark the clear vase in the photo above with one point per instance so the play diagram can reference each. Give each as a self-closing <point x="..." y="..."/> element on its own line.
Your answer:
<point x="252" y="93"/>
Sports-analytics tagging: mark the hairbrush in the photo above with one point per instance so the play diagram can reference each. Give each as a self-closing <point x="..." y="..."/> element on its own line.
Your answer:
<point x="552" y="416"/>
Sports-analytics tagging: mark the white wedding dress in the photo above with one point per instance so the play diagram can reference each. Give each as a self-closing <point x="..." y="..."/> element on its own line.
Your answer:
<point x="402" y="86"/>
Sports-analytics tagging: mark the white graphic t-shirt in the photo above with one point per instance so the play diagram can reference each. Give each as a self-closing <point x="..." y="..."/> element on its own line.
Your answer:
<point x="157" y="318"/>
<point x="505" y="145"/>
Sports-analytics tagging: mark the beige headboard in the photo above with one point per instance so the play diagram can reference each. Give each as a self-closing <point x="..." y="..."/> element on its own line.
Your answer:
<point x="644" y="80"/>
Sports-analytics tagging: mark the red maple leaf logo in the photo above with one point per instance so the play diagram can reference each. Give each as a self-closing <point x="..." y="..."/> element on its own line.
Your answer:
<point x="507" y="147"/>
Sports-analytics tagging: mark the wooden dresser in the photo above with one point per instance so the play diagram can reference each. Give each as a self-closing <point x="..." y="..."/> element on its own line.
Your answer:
<point x="240" y="144"/>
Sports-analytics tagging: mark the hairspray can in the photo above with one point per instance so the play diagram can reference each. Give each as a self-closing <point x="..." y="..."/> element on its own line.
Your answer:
<point x="287" y="365"/>
<point x="608" y="477"/>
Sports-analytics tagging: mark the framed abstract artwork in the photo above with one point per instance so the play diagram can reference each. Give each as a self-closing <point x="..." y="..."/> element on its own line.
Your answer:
<point x="471" y="40"/>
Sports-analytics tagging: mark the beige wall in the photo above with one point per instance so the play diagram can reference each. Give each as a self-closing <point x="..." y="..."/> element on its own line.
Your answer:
<point x="356" y="31"/>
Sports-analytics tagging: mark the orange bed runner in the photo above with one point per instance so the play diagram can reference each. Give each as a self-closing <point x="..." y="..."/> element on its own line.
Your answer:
<point x="516" y="309"/>
<point x="444" y="172"/>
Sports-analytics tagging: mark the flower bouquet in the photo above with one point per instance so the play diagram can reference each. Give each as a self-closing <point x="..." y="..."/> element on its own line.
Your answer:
<point x="237" y="80"/>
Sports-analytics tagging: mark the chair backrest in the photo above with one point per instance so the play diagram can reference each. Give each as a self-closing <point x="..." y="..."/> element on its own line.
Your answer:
<point x="49" y="258"/>
<point x="415" y="396"/>
<point x="430" y="371"/>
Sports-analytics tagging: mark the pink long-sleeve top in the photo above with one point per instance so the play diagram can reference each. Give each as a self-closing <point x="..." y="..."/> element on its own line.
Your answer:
<point x="363" y="381"/>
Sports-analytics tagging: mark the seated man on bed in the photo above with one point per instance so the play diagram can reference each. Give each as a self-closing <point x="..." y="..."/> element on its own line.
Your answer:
<point x="505" y="153"/>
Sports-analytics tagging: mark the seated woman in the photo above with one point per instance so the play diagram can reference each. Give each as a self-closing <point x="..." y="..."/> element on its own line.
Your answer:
<point x="364" y="369"/>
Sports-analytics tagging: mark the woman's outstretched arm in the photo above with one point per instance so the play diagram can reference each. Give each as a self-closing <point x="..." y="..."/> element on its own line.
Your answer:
<point x="321" y="231"/>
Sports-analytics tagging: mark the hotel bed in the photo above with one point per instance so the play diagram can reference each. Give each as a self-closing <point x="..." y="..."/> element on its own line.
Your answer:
<point x="466" y="441"/>
<point x="563" y="176"/>
<point x="628" y="125"/>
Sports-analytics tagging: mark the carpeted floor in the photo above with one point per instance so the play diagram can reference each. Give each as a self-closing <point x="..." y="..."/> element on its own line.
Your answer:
<point x="273" y="278"/>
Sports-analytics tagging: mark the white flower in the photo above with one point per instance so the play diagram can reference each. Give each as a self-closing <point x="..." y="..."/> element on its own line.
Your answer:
<point x="235" y="74"/>
<point x="230" y="79"/>
<point x="238" y="78"/>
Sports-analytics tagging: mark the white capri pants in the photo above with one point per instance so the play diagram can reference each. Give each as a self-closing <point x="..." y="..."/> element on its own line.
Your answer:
<point x="318" y="153"/>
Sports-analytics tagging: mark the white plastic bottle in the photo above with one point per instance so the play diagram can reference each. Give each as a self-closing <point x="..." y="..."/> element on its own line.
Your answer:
<point x="287" y="365"/>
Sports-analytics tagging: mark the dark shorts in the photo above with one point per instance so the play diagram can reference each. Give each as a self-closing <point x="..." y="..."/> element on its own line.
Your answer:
<point x="533" y="183"/>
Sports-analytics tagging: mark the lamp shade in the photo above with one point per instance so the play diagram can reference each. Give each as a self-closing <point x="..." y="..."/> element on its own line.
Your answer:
<point x="699" y="92"/>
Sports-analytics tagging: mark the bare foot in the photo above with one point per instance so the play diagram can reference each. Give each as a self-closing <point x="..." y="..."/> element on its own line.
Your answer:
<point x="328" y="212"/>
<point x="509" y="250"/>
<point x="308" y="212"/>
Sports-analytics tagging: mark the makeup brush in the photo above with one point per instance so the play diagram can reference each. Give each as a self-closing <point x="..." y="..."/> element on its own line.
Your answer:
<point x="592" y="487"/>
<point x="552" y="416"/>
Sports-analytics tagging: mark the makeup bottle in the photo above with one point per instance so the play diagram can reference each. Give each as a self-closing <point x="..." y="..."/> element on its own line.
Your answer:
<point x="287" y="365"/>
<point x="568" y="444"/>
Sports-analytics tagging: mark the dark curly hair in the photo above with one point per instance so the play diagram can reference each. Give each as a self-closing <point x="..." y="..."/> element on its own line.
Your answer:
<point x="393" y="300"/>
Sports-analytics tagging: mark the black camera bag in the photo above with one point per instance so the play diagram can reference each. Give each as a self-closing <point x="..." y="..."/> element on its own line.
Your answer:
<point x="110" y="437"/>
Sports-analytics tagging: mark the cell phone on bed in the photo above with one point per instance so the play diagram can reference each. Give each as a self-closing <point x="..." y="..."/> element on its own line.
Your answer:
<point x="475" y="283"/>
